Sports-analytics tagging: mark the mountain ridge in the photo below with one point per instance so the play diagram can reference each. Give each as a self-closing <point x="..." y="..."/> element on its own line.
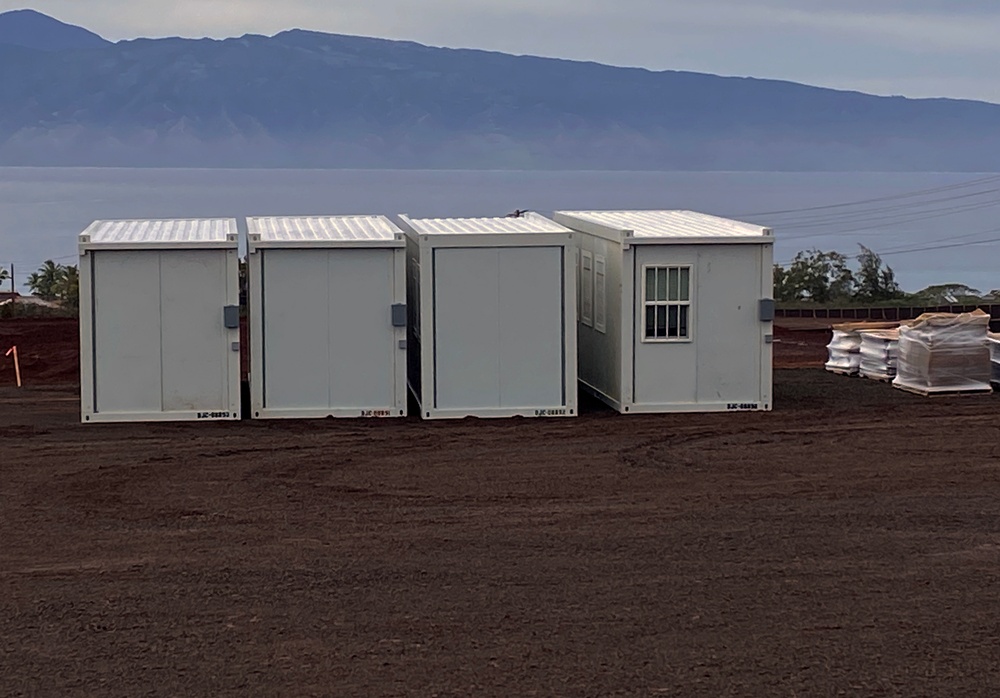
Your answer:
<point x="307" y="99"/>
<point x="31" y="29"/>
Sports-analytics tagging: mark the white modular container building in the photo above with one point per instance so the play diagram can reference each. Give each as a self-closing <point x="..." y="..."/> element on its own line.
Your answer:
<point x="676" y="310"/>
<point x="327" y="317"/>
<point x="492" y="328"/>
<point x="159" y="320"/>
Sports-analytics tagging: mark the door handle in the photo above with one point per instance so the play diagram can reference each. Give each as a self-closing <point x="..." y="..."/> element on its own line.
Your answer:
<point x="231" y="317"/>
<point x="399" y="315"/>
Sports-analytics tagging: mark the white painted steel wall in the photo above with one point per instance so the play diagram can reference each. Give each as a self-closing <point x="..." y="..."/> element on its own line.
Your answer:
<point x="154" y="343"/>
<point x="605" y="375"/>
<point x="323" y="341"/>
<point x="492" y="319"/>
<point x="726" y="364"/>
<point x="722" y="367"/>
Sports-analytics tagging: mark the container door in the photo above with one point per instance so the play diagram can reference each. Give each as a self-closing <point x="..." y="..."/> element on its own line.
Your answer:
<point x="466" y="328"/>
<point x="195" y="342"/>
<point x="362" y="337"/>
<point x="531" y="340"/>
<point x="296" y="329"/>
<point x="667" y="335"/>
<point x="729" y="335"/>
<point x="161" y="345"/>
<point x="499" y="327"/>
<point x="126" y="307"/>
<point x="329" y="343"/>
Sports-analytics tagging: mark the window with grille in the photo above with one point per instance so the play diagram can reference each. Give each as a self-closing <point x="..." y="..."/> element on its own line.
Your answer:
<point x="587" y="289"/>
<point x="600" y="294"/>
<point x="667" y="304"/>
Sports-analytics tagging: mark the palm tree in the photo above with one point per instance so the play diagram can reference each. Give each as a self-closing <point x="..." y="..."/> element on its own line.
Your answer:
<point x="67" y="289"/>
<point x="44" y="281"/>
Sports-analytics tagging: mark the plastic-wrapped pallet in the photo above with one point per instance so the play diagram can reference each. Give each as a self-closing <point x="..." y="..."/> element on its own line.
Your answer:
<point x="942" y="352"/>
<point x="879" y="352"/>
<point x="844" y="352"/>
<point x="845" y="347"/>
<point x="994" y="340"/>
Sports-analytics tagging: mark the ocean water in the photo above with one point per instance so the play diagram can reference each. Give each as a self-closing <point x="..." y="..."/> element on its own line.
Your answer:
<point x="932" y="227"/>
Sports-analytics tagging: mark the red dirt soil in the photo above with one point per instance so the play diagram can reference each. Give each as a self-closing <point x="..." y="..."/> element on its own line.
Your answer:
<point x="846" y="544"/>
<point x="50" y="348"/>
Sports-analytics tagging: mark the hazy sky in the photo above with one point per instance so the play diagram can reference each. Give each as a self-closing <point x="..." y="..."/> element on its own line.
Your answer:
<point x="917" y="48"/>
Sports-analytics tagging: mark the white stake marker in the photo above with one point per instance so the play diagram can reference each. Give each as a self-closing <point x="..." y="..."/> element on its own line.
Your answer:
<point x="17" y="365"/>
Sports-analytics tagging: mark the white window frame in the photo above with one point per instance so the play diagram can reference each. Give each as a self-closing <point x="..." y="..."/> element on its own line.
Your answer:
<point x="600" y="293"/>
<point x="689" y="303"/>
<point x="587" y="288"/>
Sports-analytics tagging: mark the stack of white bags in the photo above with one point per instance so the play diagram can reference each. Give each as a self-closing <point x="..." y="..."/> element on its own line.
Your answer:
<point x="844" y="351"/>
<point x="879" y="353"/>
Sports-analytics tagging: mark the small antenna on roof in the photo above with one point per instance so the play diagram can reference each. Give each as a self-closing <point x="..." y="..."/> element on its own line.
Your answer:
<point x="518" y="213"/>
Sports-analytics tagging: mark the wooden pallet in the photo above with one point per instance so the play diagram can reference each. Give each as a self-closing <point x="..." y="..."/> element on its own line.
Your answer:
<point x="942" y="393"/>
<point x="843" y="371"/>
<point x="879" y="379"/>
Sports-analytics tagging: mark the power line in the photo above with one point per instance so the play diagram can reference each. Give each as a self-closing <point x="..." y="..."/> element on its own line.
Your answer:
<point x="54" y="259"/>
<point x="947" y="239"/>
<point x="878" y="215"/>
<point x="902" y="209"/>
<point x="881" y="199"/>
<point x="891" y="222"/>
<point x="940" y="247"/>
<point x="889" y="212"/>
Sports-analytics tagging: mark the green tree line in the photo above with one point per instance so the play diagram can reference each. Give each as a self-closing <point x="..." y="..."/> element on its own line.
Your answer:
<point x="831" y="278"/>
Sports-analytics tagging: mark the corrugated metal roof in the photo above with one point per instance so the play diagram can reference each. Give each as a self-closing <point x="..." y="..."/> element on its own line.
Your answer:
<point x="526" y="224"/>
<point x="138" y="232"/>
<point x="323" y="228"/>
<point x="671" y="224"/>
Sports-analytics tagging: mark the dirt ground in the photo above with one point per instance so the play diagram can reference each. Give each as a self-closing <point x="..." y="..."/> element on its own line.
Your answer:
<point x="846" y="544"/>
<point x="795" y="348"/>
